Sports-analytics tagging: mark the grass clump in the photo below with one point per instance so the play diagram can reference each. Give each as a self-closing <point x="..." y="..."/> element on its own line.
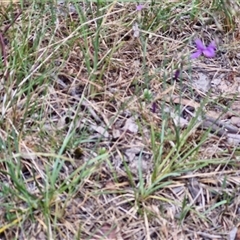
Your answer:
<point x="110" y="129"/>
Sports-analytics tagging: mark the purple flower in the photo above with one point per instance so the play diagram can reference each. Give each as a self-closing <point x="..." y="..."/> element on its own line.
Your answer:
<point x="177" y="74"/>
<point x="208" y="51"/>
<point x="139" y="7"/>
<point x="154" y="107"/>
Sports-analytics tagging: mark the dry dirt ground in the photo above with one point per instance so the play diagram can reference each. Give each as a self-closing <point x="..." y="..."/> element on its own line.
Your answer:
<point x="109" y="130"/>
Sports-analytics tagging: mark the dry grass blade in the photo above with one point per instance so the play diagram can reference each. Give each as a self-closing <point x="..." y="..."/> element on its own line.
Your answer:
<point x="7" y="2"/>
<point x="110" y="129"/>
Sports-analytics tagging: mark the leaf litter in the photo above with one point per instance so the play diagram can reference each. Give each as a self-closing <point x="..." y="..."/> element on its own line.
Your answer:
<point x="119" y="132"/>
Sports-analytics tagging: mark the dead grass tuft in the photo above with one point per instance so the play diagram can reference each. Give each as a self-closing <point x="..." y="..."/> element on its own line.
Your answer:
<point x="105" y="135"/>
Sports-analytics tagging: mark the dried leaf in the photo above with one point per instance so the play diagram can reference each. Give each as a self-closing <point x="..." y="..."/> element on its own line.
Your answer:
<point x="235" y="121"/>
<point x="116" y="133"/>
<point x="179" y="121"/>
<point x="194" y="189"/>
<point x="130" y="125"/>
<point x="101" y="130"/>
<point x="233" y="139"/>
<point x="135" y="30"/>
<point x="232" y="234"/>
<point x="61" y="123"/>
<point x="226" y="83"/>
<point x="132" y="152"/>
<point x="202" y="83"/>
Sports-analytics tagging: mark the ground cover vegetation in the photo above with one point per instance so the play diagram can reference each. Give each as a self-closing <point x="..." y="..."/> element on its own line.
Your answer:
<point x="120" y="120"/>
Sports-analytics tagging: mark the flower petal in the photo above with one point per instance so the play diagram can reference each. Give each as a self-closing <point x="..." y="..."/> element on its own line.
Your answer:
<point x="196" y="54"/>
<point x="176" y="75"/>
<point x="199" y="44"/>
<point x="209" y="52"/>
<point x="212" y="45"/>
<point x="139" y="7"/>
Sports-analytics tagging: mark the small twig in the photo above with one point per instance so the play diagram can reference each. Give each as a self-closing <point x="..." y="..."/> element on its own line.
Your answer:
<point x="219" y="127"/>
<point x="10" y="24"/>
<point x="214" y="128"/>
<point x="229" y="127"/>
<point x="207" y="235"/>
